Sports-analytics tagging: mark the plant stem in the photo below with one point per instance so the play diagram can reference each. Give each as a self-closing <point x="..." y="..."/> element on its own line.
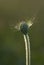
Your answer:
<point x="29" y="56"/>
<point x="27" y="48"/>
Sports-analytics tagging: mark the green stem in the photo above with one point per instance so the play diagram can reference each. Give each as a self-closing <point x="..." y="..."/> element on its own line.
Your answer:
<point x="29" y="52"/>
<point x="27" y="48"/>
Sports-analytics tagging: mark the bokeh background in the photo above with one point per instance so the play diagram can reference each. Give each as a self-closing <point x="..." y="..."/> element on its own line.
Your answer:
<point x="12" y="48"/>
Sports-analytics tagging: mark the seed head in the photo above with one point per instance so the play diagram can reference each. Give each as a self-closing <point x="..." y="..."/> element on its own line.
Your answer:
<point x="24" y="28"/>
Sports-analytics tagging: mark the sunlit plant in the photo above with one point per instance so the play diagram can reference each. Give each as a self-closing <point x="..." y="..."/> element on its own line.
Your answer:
<point x="24" y="26"/>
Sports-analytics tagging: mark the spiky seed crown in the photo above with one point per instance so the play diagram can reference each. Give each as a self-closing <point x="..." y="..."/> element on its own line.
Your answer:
<point x="24" y="28"/>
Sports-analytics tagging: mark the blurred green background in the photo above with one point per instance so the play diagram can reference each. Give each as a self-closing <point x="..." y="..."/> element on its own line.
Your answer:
<point x="12" y="48"/>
